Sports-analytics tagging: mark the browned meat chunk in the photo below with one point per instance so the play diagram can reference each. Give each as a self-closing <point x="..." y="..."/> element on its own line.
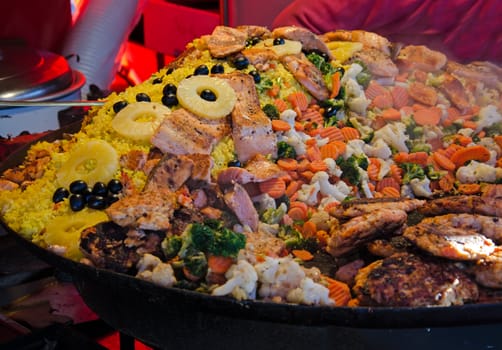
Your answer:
<point x="182" y="132"/>
<point x="455" y="91"/>
<point x="258" y="169"/>
<point x="362" y="229"/>
<point x="422" y="58"/>
<point x="488" y="272"/>
<point x="149" y="210"/>
<point x="368" y="39"/>
<point x="253" y="31"/>
<point x="171" y="172"/>
<point x="307" y="74"/>
<point x="486" y="72"/>
<point x="225" y="41"/>
<point x="378" y="63"/>
<point x="357" y="208"/>
<point x="463" y="204"/>
<point x="410" y="280"/>
<point x="260" y="58"/>
<point x="387" y="247"/>
<point x="251" y="128"/>
<point x="238" y="200"/>
<point x="309" y="40"/>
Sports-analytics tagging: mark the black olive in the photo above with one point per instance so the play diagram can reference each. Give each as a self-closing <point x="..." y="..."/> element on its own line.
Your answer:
<point x="142" y="97"/>
<point x="208" y="95"/>
<point x="201" y="70"/>
<point x="217" y="69"/>
<point x="169" y="100"/>
<point x="77" y="202"/>
<point x="118" y="106"/>
<point x="96" y="202"/>
<point x="241" y="62"/>
<point x="279" y="41"/>
<point x="234" y="163"/>
<point x="60" y="194"/>
<point x="114" y="186"/>
<point x="110" y="199"/>
<point x="330" y="111"/>
<point x="78" y="187"/>
<point x="169" y="89"/>
<point x="157" y="81"/>
<point x="256" y="76"/>
<point x="100" y="189"/>
<point x="169" y="70"/>
<point x="253" y="41"/>
<point x="87" y="193"/>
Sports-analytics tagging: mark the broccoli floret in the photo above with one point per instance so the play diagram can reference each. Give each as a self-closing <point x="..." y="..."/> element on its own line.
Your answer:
<point x="494" y="129"/>
<point x="366" y="131"/>
<point x="171" y="246"/>
<point x="265" y="84"/>
<point x="364" y="77"/>
<point x="350" y="168"/>
<point x="294" y="240"/>
<point x="212" y="237"/>
<point x="284" y="150"/>
<point x="412" y="129"/>
<point x="433" y="174"/>
<point x="331" y="108"/>
<point x="273" y="216"/>
<point x="412" y="171"/>
<point x="321" y="63"/>
<point x="195" y="262"/>
<point x="271" y="111"/>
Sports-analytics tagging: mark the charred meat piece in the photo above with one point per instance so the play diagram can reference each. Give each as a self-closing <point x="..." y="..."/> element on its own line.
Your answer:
<point x="182" y="217"/>
<point x="225" y="41"/>
<point x="463" y="204"/>
<point x="182" y="132"/>
<point x="309" y="40"/>
<point x="450" y="242"/>
<point x="251" y="128"/>
<point x="488" y="272"/>
<point x="387" y="247"/>
<point x="307" y="74"/>
<point x="111" y="246"/>
<point x="357" y="207"/>
<point x="362" y="229"/>
<point x="410" y="280"/>
<point x="171" y="172"/>
<point x="149" y="210"/>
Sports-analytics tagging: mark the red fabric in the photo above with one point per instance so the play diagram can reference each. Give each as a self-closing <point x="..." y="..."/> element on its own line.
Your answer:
<point x="466" y="30"/>
<point x="41" y="24"/>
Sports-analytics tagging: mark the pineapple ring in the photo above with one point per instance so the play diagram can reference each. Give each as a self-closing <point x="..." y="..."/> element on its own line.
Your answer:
<point x="139" y="121"/>
<point x="290" y="47"/>
<point x="189" y="91"/>
<point x="96" y="160"/>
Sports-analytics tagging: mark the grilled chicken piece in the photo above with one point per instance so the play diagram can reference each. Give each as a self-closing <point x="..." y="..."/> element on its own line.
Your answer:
<point x="225" y="41"/>
<point x="260" y="58"/>
<point x="253" y="31"/>
<point x="421" y="57"/>
<point x="488" y="272"/>
<point x="148" y="210"/>
<point x="357" y="208"/>
<point x="368" y="39"/>
<point x="483" y="205"/>
<point x="361" y="229"/>
<point x="378" y="63"/>
<point x="251" y="128"/>
<point x="182" y="132"/>
<point x="238" y="200"/>
<point x="258" y="169"/>
<point x="488" y="226"/>
<point x="307" y="74"/>
<point x="309" y="40"/>
<point x="410" y="280"/>
<point x="110" y="246"/>
<point x="455" y="91"/>
<point x="202" y="165"/>
<point x="387" y="247"/>
<point x="486" y="72"/>
<point x="171" y="172"/>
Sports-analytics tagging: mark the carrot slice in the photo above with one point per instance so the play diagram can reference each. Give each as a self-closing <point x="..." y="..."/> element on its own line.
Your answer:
<point x="350" y="133"/>
<point x="477" y="152"/>
<point x="399" y="96"/>
<point x="391" y="114"/>
<point x="292" y="188"/>
<point x="446" y="182"/>
<point x="287" y="164"/>
<point x="498" y="140"/>
<point x="318" y="165"/>
<point x="387" y="182"/>
<point x="333" y="133"/>
<point x="443" y="162"/>
<point x="309" y="228"/>
<point x="280" y="125"/>
<point x="428" y="116"/>
<point x="396" y="173"/>
<point x="297" y="213"/>
<point x="469" y="188"/>
<point x="219" y="264"/>
<point x="383" y="101"/>
<point x="274" y="187"/>
<point x="390" y="192"/>
<point x="335" y="84"/>
<point x="339" y="292"/>
<point x="302" y="254"/>
<point x="298" y="99"/>
<point x="281" y="105"/>
<point x="420" y="158"/>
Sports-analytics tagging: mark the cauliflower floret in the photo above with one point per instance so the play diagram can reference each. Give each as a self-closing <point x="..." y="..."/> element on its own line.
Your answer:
<point x="322" y="220"/>
<point x="476" y="171"/>
<point x="378" y="149"/>
<point x="152" y="269"/>
<point x="493" y="147"/>
<point x="365" y="183"/>
<point x="351" y="72"/>
<point x="339" y="191"/>
<point x="394" y="135"/>
<point x="333" y="168"/>
<point x="241" y="282"/>
<point x="488" y="116"/>
<point x="384" y="167"/>
<point x="310" y="293"/>
<point x="354" y="147"/>
<point x="277" y="276"/>
<point x="292" y="137"/>
<point x="421" y="188"/>
<point x="308" y="193"/>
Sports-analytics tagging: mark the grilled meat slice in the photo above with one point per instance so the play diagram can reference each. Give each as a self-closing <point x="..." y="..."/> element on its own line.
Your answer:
<point x="251" y="128"/>
<point x="387" y="247"/>
<point x="307" y="74"/>
<point x="450" y="242"/>
<point x="258" y="169"/>
<point x="148" y="210"/>
<point x="405" y="279"/>
<point x="362" y="229"/>
<point x="455" y="91"/>
<point x="488" y="272"/>
<point x="182" y="132"/>
<point x="421" y="57"/>
<point x="238" y="200"/>
<point x="355" y="208"/>
<point x="309" y="40"/>
<point x="110" y="246"/>
<point x="486" y="72"/>
<point x="483" y="205"/>
<point x="368" y="39"/>
<point x="170" y="172"/>
<point x="378" y="63"/>
<point x="260" y="58"/>
<point x="225" y="41"/>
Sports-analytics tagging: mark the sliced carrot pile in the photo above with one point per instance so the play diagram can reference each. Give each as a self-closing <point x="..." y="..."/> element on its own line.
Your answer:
<point x="299" y="100"/>
<point x="443" y="162"/>
<point x="287" y="164"/>
<point x="350" y="133"/>
<point x="275" y="187"/>
<point x="281" y="105"/>
<point x="339" y="292"/>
